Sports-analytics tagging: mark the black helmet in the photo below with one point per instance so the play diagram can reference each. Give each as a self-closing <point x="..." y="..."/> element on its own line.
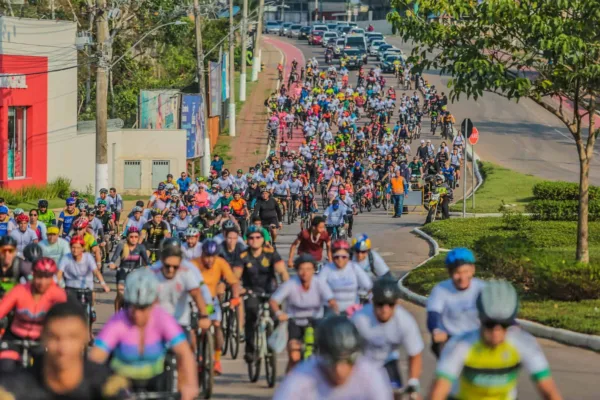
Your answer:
<point x="43" y="203"/>
<point x="304" y="258"/>
<point x="32" y="252"/>
<point x="229" y="225"/>
<point x="210" y="248"/>
<point x="8" y="241"/>
<point x="385" y="291"/>
<point x="338" y="339"/>
<point x="170" y="247"/>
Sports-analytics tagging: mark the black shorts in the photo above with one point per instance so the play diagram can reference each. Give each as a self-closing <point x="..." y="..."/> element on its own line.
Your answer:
<point x="122" y="274"/>
<point x="295" y="197"/>
<point x="296" y="332"/>
<point x="269" y="221"/>
<point x="456" y="167"/>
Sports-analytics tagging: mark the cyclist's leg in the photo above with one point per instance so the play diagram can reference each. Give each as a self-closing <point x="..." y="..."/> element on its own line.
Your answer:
<point x="251" y="305"/>
<point x="215" y="318"/>
<point x="294" y="347"/>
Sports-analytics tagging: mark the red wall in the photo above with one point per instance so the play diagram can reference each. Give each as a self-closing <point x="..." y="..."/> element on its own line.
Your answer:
<point x="35" y="97"/>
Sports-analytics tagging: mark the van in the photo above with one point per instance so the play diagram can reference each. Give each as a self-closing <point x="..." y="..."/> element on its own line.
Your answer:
<point x="356" y="41"/>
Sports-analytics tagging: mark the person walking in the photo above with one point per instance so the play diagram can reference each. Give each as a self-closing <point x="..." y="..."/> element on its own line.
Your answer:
<point x="399" y="190"/>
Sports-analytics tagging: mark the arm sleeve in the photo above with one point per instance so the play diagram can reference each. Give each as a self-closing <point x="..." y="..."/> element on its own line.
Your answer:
<point x="325" y="290"/>
<point x="379" y="264"/>
<point x="109" y="336"/>
<point x="282" y="292"/>
<point x="531" y="354"/>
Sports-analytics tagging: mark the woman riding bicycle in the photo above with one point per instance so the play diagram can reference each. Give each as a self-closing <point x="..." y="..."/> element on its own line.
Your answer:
<point x="139" y="336"/>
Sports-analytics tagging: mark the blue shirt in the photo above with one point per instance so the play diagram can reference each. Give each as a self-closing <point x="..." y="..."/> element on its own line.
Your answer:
<point x="217" y="165"/>
<point x="184" y="184"/>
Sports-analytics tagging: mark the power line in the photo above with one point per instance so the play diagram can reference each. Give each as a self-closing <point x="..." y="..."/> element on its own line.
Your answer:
<point x="49" y="71"/>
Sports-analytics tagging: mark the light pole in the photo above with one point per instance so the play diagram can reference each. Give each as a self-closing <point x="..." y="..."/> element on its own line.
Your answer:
<point x="244" y="51"/>
<point x="231" y="71"/>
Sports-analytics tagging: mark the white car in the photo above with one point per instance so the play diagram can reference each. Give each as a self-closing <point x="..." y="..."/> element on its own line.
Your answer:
<point x="374" y="48"/>
<point x="392" y="51"/>
<point x="357" y="31"/>
<point x="327" y="36"/>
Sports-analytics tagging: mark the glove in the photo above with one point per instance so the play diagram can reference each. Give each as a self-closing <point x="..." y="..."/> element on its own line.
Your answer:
<point x="413" y="385"/>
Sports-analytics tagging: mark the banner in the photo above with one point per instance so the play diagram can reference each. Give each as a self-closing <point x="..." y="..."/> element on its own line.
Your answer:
<point x="192" y="120"/>
<point x="159" y="109"/>
<point x="215" y="88"/>
<point x="224" y="72"/>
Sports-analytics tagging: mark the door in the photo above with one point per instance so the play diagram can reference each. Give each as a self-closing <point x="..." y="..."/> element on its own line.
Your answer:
<point x="133" y="175"/>
<point x="160" y="170"/>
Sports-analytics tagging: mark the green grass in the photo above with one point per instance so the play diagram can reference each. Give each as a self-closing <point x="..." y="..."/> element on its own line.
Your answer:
<point x="133" y="197"/>
<point x="223" y="148"/>
<point x="249" y="89"/>
<point x="582" y="316"/>
<point x="500" y="185"/>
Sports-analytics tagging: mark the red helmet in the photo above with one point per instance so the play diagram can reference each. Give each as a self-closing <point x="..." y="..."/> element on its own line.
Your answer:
<point x="132" y="229"/>
<point x="78" y="240"/>
<point x="45" y="265"/>
<point x="340" y="245"/>
<point x="22" y="218"/>
<point x="342" y="191"/>
<point x="80" y="223"/>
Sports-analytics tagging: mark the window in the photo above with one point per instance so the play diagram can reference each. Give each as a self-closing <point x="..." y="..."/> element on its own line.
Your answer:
<point x="17" y="142"/>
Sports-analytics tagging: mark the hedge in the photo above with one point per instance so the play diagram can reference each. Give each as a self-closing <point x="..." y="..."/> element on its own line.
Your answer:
<point x="559" y="190"/>
<point x="561" y="210"/>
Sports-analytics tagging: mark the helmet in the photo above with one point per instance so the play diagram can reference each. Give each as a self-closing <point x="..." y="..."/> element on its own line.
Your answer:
<point x="338" y="339"/>
<point x="82" y="206"/>
<point x="155" y="212"/>
<point x="32" y="252"/>
<point x="103" y="190"/>
<point x="255" y="229"/>
<point x="137" y="209"/>
<point x="304" y="258"/>
<point x="102" y="203"/>
<point x="240" y="171"/>
<point x="210" y="248"/>
<point x="7" y="241"/>
<point x="361" y="243"/>
<point x="74" y="193"/>
<point x="340" y="245"/>
<point x="141" y="288"/>
<point x="45" y="265"/>
<point x="228" y="225"/>
<point x="171" y="242"/>
<point x="18" y="211"/>
<point x="91" y="210"/>
<point x="42" y="203"/>
<point x="22" y="218"/>
<point x="440" y="178"/>
<point x="132" y="229"/>
<point x="385" y="291"/>
<point x="498" y="302"/>
<point x="77" y="240"/>
<point x="182" y="208"/>
<point x="191" y="231"/>
<point x="458" y="257"/>
<point x="80" y="223"/>
<point x="161" y="186"/>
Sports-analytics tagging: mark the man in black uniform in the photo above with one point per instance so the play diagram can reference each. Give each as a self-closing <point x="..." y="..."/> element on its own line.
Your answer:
<point x="269" y="211"/>
<point x="153" y="232"/>
<point x="259" y="263"/>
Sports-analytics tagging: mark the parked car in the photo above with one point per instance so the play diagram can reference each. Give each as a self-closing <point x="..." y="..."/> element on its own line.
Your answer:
<point x="327" y="36"/>
<point x="375" y="47"/>
<point x="272" y="27"/>
<point x="382" y="49"/>
<point x="304" y="32"/>
<point x="339" y="46"/>
<point x="294" y="31"/>
<point x="316" y="37"/>
<point x="387" y="64"/>
<point x="323" y="28"/>
<point x="284" y="28"/>
<point x="355" y="58"/>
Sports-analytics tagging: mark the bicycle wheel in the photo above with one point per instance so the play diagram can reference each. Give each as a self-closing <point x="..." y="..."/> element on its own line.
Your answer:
<point x="368" y="206"/>
<point x="226" y="328"/>
<point x="325" y="200"/>
<point x="234" y="333"/>
<point x="270" y="363"/>
<point x="376" y="201"/>
<point x="254" y="367"/>
<point x="384" y="202"/>
<point x="360" y="205"/>
<point x="290" y="213"/>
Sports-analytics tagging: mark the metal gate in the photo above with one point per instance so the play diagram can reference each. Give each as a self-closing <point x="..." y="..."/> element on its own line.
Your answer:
<point x="133" y="175"/>
<point x="160" y="170"/>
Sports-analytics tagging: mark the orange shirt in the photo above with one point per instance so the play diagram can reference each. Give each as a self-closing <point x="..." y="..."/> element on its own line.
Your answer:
<point x="237" y="206"/>
<point x="213" y="275"/>
<point x="397" y="185"/>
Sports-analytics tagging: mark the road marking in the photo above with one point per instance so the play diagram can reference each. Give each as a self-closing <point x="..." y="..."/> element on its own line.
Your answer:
<point x="386" y="254"/>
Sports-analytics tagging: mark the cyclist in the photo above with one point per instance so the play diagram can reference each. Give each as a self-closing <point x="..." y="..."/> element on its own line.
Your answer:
<point x="54" y="246"/>
<point x="385" y="326"/>
<point x="23" y="235"/>
<point x="335" y="218"/>
<point x="311" y="241"/>
<point x="180" y="223"/>
<point x="191" y="248"/>
<point x="67" y="216"/>
<point x="484" y="363"/>
<point x="38" y="227"/>
<point x="13" y="269"/>
<point x="214" y="269"/>
<point x="451" y="309"/>
<point x="79" y="229"/>
<point x="137" y="220"/>
<point x="260" y="264"/>
<point x="368" y="259"/>
<point x="30" y="301"/>
<point x="231" y="248"/>
<point x="153" y="232"/>
<point x="345" y="277"/>
<point x="45" y="215"/>
<point x="339" y="371"/>
<point x="130" y="255"/>
<point x="138" y="337"/>
<point x="269" y="212"/>
<point x="304" y="299"/>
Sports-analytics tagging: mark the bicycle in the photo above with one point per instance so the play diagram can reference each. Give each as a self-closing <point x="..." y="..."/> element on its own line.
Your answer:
<point x="23" y="347"/>
<point x="338" y="232"/>
<point x="205" y="347"/>
<point x="230" y="326"/>
<point x="291" y="211"/>
<point x="264" y="327"/>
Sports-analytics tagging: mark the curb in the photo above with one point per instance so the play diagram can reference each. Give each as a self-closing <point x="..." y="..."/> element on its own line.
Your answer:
<point x="570" y="338"/>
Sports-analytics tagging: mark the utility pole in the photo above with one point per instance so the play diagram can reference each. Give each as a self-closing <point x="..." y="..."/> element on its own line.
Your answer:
<point x="231" y="71"/>
<point x="104" y="52"/>
<point x="259" y="27"/>
<point x="283" y="10"/>
<point x="201" y="87"/>
<point x="244" y="51"/>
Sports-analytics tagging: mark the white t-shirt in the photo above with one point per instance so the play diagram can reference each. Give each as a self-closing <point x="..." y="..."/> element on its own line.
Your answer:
<point x="382" y="340"/>
<point x="189" y="253"/>
<point x="301" y="304"/>
<point x="78" y="275"/>
<point x="23" y="238"/>
<point x="379" y="265"/>
<point x="345" y="282"/>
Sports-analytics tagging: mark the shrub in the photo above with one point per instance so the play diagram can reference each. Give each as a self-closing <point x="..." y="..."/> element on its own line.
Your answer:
<point x="59" y="188"/>
<point x="566" y="280"/>
<point x="561" y="210"/>
<point x="551" y="190"/>
<point x="513" y="220"/>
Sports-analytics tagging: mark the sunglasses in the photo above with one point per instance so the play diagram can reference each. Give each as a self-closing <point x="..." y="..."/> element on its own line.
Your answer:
<point x="8" y="250"/>
<point x="39" y="274"/>
<point x="33" y="215"/>
<point x="254" y="237"/>
<point x="133" y="236"/>
<point x="380" y="305"/>
<point x="493" y="324"/>
<point x="340" y="256"/>
<point x="169" y="266"/>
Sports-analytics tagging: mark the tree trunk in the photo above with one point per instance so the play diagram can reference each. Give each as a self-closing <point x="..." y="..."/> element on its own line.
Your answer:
<point x="583" y="253"/>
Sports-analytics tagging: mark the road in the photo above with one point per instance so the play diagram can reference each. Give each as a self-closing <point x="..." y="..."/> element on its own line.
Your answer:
<point x="574" y="369"/>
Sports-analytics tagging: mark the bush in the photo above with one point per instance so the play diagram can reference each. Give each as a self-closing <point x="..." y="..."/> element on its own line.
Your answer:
<point x="59" y="188"/>
<point x="561" y="210"/>
<point x="551" y="190"/>
<point x="566" y="280"/>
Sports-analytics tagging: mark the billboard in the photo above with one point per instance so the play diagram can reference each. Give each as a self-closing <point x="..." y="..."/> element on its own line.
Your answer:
<point x="159" y="109"/>
<point x="193" y="121"/>
<point x="215" y="88"/>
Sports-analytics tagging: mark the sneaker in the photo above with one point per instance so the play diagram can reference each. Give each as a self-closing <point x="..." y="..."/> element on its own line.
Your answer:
<point x="217" y="367"/>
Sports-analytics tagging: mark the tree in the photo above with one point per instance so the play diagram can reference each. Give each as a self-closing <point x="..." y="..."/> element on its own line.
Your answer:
<point x="545" y="50"/>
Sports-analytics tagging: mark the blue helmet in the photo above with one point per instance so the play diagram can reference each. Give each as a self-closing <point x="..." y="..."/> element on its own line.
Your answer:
<point x="3" y="210"/>
<point x="210" y="248"/>
<point x="459" y="256"/>
<point x="70" y="200"/>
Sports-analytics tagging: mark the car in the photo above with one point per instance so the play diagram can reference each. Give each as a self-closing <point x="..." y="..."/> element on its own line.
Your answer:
<point x="371" y="36"/>
<point x="272" y="27"/>
<point x="387" y="64"/>
<point x="382" y="49"/>
<point x="327" y="36"/>
<point x="352" y="24"/>
<point x="320" y="27"/>
<point x="392" y="51"/>
<point x="343" y="31"/>
<point x="356" y="58"/>
<point x="294" y="31"/>
<point x="339" y="46"/>
<point x="354" y="40"/>
<point x="304" y="32"/>
<point x="357" y="31"/>
<point x="374" y="47"/>
<point x="332" y="26"/>
<point x="316" y="37"/>
<point x="284" y="28"/>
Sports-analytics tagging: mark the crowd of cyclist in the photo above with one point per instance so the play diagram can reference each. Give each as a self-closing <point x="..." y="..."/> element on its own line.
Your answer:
<point x="195" y="244"/>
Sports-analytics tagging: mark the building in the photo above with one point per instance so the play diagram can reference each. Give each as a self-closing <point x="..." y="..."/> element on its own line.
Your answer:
<point x="39" y="139"/>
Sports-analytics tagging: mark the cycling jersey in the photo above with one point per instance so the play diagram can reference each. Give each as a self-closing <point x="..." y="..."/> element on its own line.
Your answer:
<point x="280" y="189"/>
<point x="155" y="233"/>
<point x="259" y="272"/>
<point x="55" y="251"/>
<point x="190" y="253"/>
<point x="48" y="218"/>
<point x="139" y="224"/>
<point x="220" y="270"/>
<point x="23" y="238"/>
<point x="66" y="220"/>
<point x="78" y="274"/>
<point x="120" y="337"/>
<point x="237" y="206"/>
<point x="490" y="373"/>
<point x="302" y="304"/>
<point x="130" y="258"/>
<point x="180" y="225"/>
<point x="345" y="282"/>
<point x="295" y="186"/>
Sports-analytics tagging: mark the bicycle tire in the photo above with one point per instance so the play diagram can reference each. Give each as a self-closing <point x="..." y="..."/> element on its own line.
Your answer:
<point x="234" y="334"/>
<point x="254" y="367"/>
<point x="376" y="202"/>
<point x="171" y="373"/>
<point x="290" y="212"/>
<point x="208" y="370"/>
<point x="270" y="363"/>
<point x="384" y="202"/>
<point x="226" y="329"/>
<point x="369" y="208"/>
<point x="360" y="206"/>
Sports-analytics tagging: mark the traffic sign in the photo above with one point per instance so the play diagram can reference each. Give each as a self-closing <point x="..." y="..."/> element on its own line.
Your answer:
<point x="474" y="138"/>
<point x="466" y="127"/>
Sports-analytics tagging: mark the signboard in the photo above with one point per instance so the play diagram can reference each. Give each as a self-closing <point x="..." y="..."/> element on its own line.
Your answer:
<point x="13" y="81"/>
<point x="466" y="127"/>
<point x="214" y="71"/>
<point x="159" y="109"/>
<point x="474" y="138"/>
<point x="192" y="120"/>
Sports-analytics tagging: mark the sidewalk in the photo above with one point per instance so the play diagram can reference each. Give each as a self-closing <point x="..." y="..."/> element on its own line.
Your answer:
<point x="249" y="147"/>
